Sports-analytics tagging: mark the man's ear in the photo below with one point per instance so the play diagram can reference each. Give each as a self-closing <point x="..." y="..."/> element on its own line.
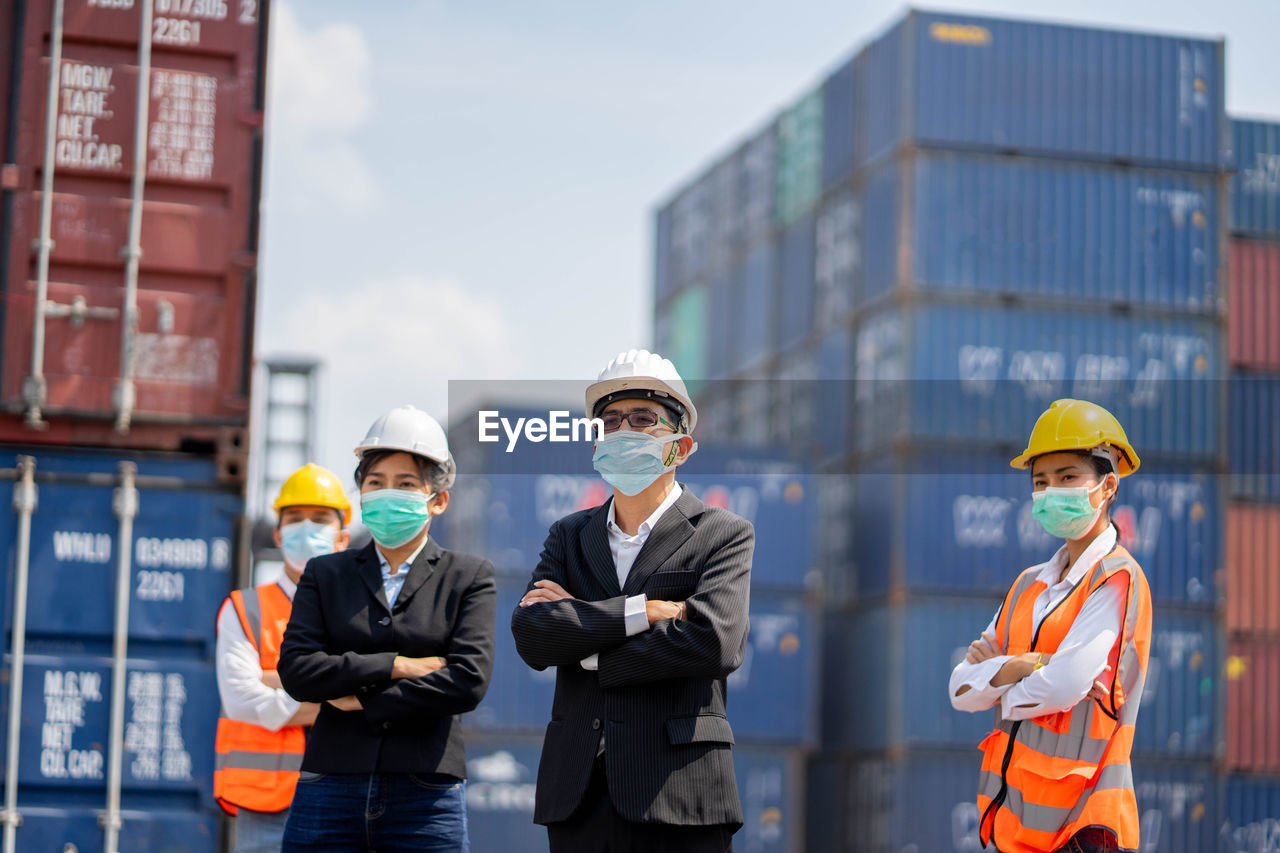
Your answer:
<point x="439" y="502"/>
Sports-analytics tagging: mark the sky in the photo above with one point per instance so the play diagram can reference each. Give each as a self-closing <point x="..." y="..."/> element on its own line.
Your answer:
<point x="460" y="190"/>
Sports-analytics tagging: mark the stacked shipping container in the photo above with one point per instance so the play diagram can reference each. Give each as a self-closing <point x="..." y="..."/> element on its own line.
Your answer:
<point x="132" y="136"/>
<point x="1009" y="213"/>
<point x="1253" y="509"/>
<point x="502" y="507"/>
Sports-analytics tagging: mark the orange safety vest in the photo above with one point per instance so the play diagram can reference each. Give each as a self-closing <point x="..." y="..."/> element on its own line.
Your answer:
<point x="254" y="767"/>
<point x="1045" y="779"/>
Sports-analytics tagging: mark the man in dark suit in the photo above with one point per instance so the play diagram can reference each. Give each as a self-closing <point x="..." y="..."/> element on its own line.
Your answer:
<point x="641" y="604"/>
<point x="396" y="639"/>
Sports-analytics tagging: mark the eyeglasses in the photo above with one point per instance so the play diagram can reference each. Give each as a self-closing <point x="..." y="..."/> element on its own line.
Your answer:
<point x="639" y="419"/>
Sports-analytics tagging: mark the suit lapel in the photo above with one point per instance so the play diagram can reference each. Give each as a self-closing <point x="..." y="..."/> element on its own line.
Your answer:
<point x="421" y="569"/>
<point x="371" y="573"/>
<point x="595" y="547"/>
<point x="672" y="529"/>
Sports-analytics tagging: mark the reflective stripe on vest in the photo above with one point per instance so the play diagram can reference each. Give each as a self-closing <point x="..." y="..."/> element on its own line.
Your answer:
<point x="1046" y="778"/>
<point x="254" y="767"/>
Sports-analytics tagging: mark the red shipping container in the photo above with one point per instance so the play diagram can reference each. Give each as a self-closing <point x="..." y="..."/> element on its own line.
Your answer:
<point x="197" y="272"/>
<point x="1253" y="694"/>
<point x="1253" y="574"/>
<point x="1254" y="309"/>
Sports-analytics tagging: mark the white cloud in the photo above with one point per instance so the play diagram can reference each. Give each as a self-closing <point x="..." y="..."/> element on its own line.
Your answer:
<point x="394" y="341"/>
<point x="320" y="95"/>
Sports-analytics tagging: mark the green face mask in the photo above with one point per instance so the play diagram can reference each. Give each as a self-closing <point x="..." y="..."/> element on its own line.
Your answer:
<point x="395" y="516"/>
<point x="1065" y="513"/>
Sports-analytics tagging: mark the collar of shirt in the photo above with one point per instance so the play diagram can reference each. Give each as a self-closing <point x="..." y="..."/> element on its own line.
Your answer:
<point x="1098" y="548"/>
<point x="617" y="535"/>
<point x="286" y="583"/>
<point x="404" y="567"/>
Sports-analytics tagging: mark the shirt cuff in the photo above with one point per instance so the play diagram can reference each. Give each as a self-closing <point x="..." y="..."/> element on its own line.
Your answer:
<point x="592" y="663"/>
<point x="637" y="620"/>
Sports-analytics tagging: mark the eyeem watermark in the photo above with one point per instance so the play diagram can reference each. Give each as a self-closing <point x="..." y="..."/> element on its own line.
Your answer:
<point x="557" y="427"/>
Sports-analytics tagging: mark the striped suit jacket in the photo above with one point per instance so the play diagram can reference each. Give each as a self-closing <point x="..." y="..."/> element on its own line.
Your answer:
<point x="659" y="696"/>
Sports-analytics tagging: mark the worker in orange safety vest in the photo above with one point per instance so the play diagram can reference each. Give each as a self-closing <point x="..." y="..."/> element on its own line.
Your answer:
<point x="262" y="730"/>
<point x="1064" y="659"/>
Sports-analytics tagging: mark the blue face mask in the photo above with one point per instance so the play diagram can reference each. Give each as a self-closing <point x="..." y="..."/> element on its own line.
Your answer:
<point x="631" y="461"/>
<point x="1065" y="513"/>
<point x="395" y="516"/>
<point x="303" y="540"/>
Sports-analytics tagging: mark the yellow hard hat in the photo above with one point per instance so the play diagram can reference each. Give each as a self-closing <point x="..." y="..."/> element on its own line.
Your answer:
<point x="1078" y="425"/>
<point x="312" y="485"/>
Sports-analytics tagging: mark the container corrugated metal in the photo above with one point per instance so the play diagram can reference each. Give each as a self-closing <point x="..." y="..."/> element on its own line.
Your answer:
<point x="926" y="638"/>
<point x="663" y="276"/>
<point x="839" y="94"/>
<point x="1255" y="188"/>
<point x="722" y="337"/>
<point x="681" y="331"/>
<point x="181" y="554"/>
<point x="834" y="397"/>
<point x="918" y="367"/>
<point x="1013" y="226"/>
<point x="795" y="284"/>
<point x="752" y="307"/>
<point x="501" y="784"/>
<point x="1252" y="583"/>
<point x="957" y="80"/>
<point x="926" y="801"/>
<point x="799" y="169"/>
<point x="1254" y="271"/>
<point x="942" y="522"/>
<point x="196" y="287"/>
<point x="1253" y="694"/>
<point x="772" y="697"/>
<point x="837" y="260"/>
<point x="1253" y="411"/>
<point x="1250" y="814"/>
<point x="690" y="257"/>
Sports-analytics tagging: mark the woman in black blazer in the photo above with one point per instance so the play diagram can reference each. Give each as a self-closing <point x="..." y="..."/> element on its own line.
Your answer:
<point x="397" y="640"/>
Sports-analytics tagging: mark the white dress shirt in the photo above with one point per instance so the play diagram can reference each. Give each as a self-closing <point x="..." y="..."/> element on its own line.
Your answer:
<point x="625" y="549"/>
<point x="239" y="669"/>
<point x="1081" y="658"/>
<point x="392" y="583"/>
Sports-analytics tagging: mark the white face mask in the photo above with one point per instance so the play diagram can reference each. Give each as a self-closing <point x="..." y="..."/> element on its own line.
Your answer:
<point x="303" y="540"/>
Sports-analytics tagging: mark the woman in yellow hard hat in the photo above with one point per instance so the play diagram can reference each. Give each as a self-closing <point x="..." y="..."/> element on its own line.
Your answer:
<point x="1065" y="656"/>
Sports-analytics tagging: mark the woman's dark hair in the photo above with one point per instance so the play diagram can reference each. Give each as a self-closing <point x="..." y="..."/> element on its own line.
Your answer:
<point x="431" y="473"/>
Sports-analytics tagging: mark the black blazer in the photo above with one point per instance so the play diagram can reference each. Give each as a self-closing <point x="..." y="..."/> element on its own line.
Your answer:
<point x="659" y="696"/>
<point x="342" y="639"/>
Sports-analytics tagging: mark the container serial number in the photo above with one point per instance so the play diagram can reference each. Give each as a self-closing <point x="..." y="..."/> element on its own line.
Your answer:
<point x="214" y="10"/>
<point x="160" y="586"/>
<point x="173" y="31"/>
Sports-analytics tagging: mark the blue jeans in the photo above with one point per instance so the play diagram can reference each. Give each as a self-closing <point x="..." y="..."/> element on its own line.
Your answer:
<point x="376" y="813"/>
<point x="259" y="832"/>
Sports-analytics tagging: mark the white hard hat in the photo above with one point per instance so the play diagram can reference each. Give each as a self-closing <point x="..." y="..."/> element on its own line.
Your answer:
<point x="413" y="431"/>
<point x="639" y="373"/>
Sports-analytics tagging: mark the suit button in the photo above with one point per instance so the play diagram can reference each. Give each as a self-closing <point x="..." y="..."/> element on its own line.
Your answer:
<point x="595" y="724"/>
<point x="384" y="621"/>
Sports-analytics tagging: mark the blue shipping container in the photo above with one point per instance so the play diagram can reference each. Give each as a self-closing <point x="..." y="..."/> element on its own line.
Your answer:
<point x="505" y="517"/>
<point x="1255" y="188"/>
<point x="970" y="374"/>
<point x="501" y="785"/>
<point x="181" y="554"/>
<point x="752" y="307"/>
<point x="908" y="651"/>
<point x="1254" y="440"/>
<point x="980" y="224"/>
<point x="795" y="284"/>
<point x="839" y="95"/>
<point x="926" y="801"/>
<point x="961" y="522"/>
<point x="837" y="260"/>
<point x="772" y="697"/>
<point x="956" y="80"/>
<point x="1251" y="814"/>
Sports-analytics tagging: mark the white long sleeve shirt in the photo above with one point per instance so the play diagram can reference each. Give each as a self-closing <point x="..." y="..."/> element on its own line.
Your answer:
<point x="1081" y="658"/>
<point x="239" y="668"/>
<point x="625" y="549"/>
